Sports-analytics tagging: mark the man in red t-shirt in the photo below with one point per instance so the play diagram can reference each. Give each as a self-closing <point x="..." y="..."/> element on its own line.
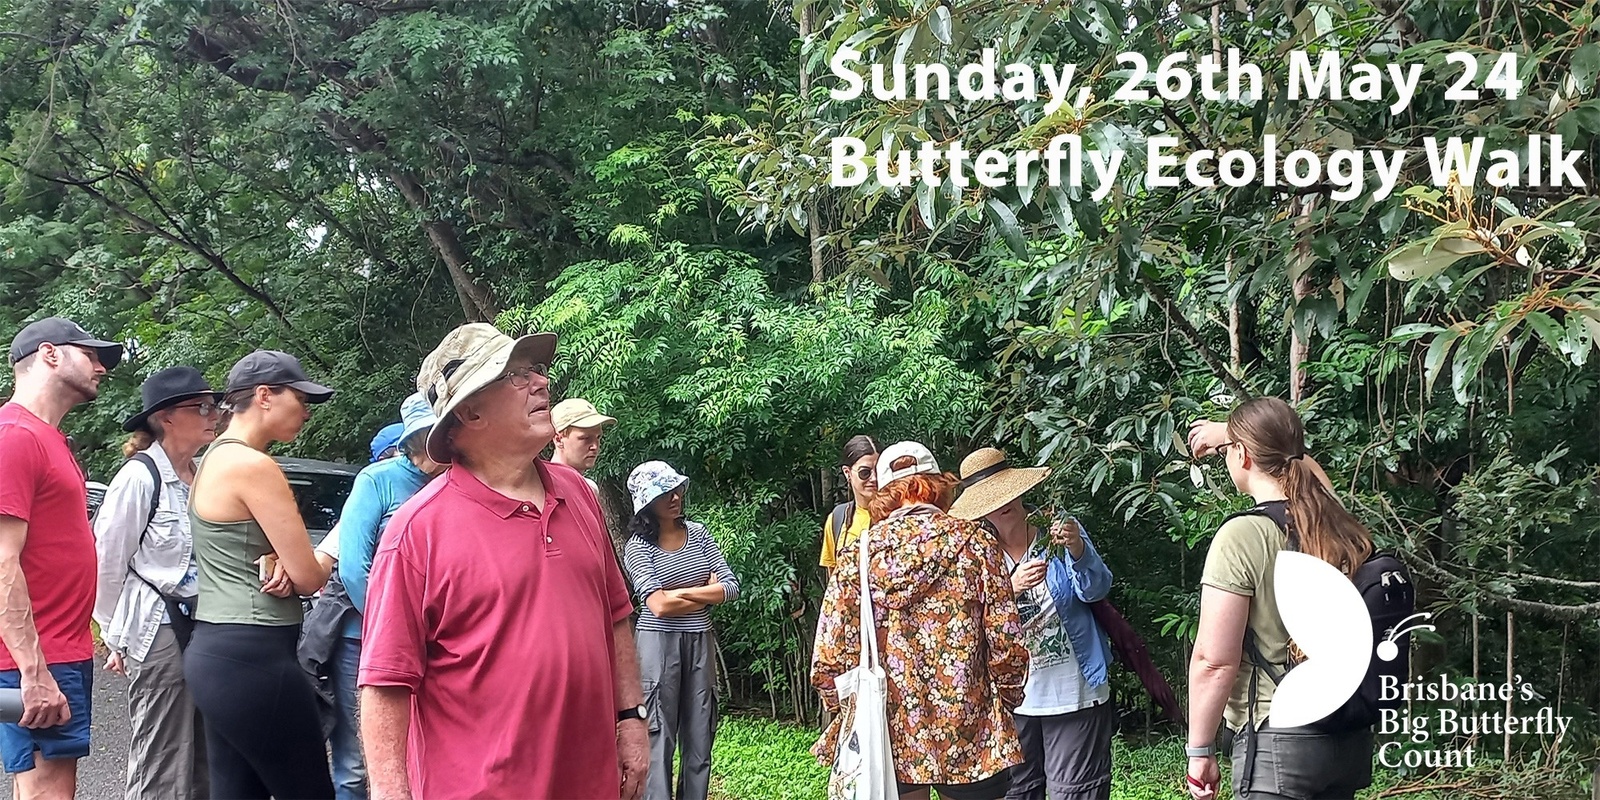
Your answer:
<point x="47" y="556"/>
<point x="497" y="652"/>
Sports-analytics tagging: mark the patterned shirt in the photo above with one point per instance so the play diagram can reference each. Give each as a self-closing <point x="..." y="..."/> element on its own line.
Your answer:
<point x="948" y="633"/>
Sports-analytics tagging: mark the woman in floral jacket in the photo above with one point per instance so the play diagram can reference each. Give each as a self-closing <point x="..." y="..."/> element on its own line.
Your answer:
<point x="947" y="628"/>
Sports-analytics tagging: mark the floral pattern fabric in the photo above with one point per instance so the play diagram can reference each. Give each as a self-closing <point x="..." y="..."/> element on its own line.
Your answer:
<point x="950" y="643"/>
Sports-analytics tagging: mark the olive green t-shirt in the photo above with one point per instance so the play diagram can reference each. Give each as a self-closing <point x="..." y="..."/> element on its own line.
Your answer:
<point x="1240" y="561"/>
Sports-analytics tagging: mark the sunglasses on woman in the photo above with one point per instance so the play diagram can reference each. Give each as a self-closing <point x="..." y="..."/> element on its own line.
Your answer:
<point x="864" y="473"/>
<point x="205" y="408"/>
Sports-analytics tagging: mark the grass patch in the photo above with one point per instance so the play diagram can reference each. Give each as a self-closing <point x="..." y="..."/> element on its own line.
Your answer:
<point x="759" y="759"/>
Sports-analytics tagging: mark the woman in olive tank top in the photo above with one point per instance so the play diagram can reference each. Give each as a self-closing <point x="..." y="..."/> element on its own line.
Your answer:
<point x="263" y="733"/>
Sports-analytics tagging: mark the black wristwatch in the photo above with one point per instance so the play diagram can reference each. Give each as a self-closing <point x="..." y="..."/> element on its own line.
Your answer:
<point x="637" y="712"/>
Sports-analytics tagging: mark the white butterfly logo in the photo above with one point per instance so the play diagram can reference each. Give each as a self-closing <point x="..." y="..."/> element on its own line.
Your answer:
<point x="1324" y="614"/>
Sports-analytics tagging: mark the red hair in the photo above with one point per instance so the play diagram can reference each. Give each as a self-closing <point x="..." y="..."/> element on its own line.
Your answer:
<point x="938" y="490"/>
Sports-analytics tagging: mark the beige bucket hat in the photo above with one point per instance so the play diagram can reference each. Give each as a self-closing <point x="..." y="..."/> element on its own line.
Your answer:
<point x="989" y="481"/>
<point x="468" y="359"/>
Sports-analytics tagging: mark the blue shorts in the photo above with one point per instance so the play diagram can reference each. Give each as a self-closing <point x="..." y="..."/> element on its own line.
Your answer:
<point x="69" y="741"/>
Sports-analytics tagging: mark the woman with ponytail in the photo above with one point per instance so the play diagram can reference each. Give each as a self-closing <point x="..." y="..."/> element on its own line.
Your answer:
<point x="1266" y="456"/>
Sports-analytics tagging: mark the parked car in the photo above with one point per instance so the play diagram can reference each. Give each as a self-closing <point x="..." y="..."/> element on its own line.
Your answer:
<point x="320" y="487"/>
<point x="97" y="495"/>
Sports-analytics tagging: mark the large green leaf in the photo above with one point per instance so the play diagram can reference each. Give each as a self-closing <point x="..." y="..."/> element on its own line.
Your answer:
<point x="1005" y="221"/>
<point x="1427" y="258"/>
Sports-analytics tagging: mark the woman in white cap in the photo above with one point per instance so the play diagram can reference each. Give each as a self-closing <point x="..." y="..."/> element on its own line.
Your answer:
<point x="947" y="629"/>
<point x="1066" y="719"/>
<point x="263" y="734"/>
<point x="148" y="581"/>
<point x="678" y="572"/>
<point x="379" y="491"/>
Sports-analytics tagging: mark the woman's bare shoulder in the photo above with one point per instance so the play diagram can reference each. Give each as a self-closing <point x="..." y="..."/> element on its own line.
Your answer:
<point x="241" y="461"/>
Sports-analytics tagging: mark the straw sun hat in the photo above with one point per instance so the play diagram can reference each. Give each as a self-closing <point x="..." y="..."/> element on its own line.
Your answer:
<point x="989" y="481"/>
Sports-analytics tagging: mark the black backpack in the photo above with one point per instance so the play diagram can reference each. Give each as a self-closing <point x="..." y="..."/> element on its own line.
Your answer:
<point x="1390" y="597"/>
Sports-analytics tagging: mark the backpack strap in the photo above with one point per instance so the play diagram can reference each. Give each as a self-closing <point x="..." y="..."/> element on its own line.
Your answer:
<point x="155" y="505"/>
<point x="155" y="495"/>
<point x="841" y="517"/>
<point x="1278" y="512"/>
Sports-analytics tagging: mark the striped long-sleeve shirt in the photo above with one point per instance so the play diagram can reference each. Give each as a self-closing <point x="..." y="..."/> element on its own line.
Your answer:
<point x="652" y="569"/>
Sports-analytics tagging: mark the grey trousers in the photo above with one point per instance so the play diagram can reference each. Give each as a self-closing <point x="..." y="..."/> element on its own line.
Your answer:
<point x="167" y="751"/>
<point x="680" y="691"/>
<point x="1303" y="764"/>
<point x="1068" y="753"/>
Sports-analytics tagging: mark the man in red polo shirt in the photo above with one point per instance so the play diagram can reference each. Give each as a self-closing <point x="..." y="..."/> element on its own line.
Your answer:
<point x="497" y="657"/>
<point x="47" y="557"/>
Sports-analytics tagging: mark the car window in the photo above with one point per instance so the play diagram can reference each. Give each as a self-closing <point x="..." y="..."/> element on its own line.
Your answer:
<point x="321" y="497"/>
<point x="96" y="493"/>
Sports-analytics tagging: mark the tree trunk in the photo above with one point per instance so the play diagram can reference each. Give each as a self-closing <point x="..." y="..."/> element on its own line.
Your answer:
<point x="1511" y="664"/>
<point x="1300" y="273"/>
<point x="476" y="300"/>
<point x="808" y="23"/>
<point x="1235" y="335"/>
<point x="1235" y="325"/>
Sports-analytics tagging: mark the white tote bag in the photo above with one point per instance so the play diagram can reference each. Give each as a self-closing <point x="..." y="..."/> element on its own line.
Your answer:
<point x="863" y="767"/>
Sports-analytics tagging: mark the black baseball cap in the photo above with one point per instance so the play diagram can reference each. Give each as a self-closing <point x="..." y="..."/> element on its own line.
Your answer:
<point x="274" y="368"/>
<point x="60" y="331"/>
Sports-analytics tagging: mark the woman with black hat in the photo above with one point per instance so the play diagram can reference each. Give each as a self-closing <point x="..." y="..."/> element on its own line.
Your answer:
<point x="147" y="581"/>
<point x="263" y="732"/>
<point x="1066" y="719"/>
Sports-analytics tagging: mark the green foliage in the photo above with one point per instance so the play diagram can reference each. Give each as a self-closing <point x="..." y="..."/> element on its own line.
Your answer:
<point x="343" y="181"/>
<point x="758" y="759"/>
<point x="1437" y="341"/>
<point x="348" y="180"/>
<point x="707" y="366"/>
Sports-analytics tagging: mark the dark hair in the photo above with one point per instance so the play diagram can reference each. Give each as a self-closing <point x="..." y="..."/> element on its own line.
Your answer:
<point x="644" y="523"/>
<point x="645" y="526"/>
<point x="240" y="397"/>
<point x="1275" y="438"/>
<point x="415" y="445"/>
<point x="857" y="447"/>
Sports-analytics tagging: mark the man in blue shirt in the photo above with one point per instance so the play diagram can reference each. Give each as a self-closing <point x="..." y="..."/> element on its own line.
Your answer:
<point x="380" y="489"/>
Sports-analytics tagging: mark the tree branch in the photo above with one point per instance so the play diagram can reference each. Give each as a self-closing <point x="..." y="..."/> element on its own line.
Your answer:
<point x="1187" y="330"/>
<point x="182" y="240"/>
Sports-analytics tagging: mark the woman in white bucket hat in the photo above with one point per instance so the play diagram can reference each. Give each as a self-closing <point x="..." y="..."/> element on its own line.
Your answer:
<point x="678" y="572"/>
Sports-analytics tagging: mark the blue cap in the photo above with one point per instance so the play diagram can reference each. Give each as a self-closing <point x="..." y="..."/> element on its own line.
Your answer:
<point x="386" y="438"/>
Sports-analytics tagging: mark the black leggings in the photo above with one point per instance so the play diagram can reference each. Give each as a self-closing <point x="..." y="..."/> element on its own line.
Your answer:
<point x="263" y="735"/>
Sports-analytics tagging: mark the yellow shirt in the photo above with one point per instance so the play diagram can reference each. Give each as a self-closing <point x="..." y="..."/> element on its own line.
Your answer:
<point x="1240" y="561"/>
<point x="858" y="523"/>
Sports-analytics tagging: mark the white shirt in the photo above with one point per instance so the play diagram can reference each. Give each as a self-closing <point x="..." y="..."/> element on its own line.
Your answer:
<point x="1055" y="680"/>
<point x="330" y="544"/>
<point x="129" y="612"/>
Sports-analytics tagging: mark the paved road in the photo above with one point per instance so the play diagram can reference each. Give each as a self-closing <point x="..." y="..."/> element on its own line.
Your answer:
<point x="103" y="775"/>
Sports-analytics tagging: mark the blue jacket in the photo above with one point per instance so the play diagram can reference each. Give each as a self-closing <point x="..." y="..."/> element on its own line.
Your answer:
<point x="1073" y="585"/>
